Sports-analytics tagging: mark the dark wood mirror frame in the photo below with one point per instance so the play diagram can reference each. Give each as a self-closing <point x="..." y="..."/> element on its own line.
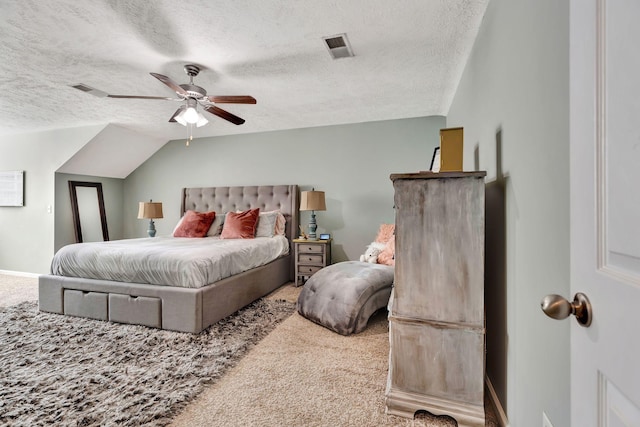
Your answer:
<point x="76" y="213"/>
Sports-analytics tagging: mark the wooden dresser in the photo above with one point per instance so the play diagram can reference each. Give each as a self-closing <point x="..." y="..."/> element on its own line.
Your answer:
<point x="436" y="311"/>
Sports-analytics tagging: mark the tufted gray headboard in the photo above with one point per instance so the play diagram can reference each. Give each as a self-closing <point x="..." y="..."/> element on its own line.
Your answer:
<point x="226" y="199"/>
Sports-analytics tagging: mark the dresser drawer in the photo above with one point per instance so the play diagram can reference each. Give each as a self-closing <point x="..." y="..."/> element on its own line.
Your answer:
<point x="310" y="249"/>
<point x="310" y="259"/>
<point x="307" y="270"/>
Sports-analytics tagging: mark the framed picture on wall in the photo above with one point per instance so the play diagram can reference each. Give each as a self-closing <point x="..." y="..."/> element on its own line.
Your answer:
<point x="435" y="160"/>
<point x="11" y="188"/>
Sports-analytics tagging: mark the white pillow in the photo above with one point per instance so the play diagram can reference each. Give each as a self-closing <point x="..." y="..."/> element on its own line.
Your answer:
<point x="216" y="225"/>
<point x="266" y="224"/>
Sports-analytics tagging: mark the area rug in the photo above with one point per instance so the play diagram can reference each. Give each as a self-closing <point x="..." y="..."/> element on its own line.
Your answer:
<point x="68" y="371"/>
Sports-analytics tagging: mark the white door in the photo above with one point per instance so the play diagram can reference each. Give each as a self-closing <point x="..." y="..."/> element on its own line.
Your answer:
<point x="605" y="210"/>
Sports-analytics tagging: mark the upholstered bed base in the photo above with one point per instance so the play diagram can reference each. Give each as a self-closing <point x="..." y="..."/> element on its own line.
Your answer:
<point x="166" y="307"/>
<point x="178" y="308"/>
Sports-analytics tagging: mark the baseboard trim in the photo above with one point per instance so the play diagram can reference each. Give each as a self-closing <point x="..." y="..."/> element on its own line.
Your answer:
<point x="19" y="273"/>
<point x="495" y="402"/>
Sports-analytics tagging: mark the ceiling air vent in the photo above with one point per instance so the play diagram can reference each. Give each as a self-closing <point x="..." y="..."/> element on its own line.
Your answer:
<point x="338" y="46"/>
<point x="88" y="89"/>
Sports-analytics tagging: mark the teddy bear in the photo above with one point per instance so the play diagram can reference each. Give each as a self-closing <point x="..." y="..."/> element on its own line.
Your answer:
<point x="372" y="252"/>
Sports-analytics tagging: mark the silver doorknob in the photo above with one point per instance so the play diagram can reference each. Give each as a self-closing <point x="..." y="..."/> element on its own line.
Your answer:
<point x="558" y="307"/>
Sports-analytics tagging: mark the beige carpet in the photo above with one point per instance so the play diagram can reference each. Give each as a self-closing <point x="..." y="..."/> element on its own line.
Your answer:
<point x="16" y="289"/>
<point x="301" y="374"/>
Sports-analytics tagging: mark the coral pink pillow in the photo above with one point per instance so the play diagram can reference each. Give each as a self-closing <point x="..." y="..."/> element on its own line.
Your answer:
<point x="387" y="256"/>
<point x="194" y="224"/>
<point x="385" y="233"/>
<point x="240" y="225"/>
<point x="280" y="224"/>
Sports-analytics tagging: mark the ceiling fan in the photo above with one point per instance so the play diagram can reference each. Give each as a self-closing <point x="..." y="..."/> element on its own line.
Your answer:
<point x="192" y="96"/>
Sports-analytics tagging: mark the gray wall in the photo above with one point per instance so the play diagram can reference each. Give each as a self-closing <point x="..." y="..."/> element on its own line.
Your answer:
<point x="27" y="233"/>
<point x="350" y="163"/>
<point x="515" y="93"/>
<point x="113" y="193"/>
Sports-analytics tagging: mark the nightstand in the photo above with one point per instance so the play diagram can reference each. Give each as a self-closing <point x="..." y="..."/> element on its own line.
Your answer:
<point x="311" y="256"/>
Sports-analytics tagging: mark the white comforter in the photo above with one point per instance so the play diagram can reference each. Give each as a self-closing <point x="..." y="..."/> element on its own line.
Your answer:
<point x="173" y="261"/>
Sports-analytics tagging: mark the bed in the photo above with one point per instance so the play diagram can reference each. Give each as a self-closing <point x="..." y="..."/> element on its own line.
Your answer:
<point x="182" y="308"/>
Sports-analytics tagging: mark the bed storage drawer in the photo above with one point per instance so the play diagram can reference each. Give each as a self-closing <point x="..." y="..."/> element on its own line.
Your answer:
<point x="135" y="310"/>
<point x="86" y="304"/>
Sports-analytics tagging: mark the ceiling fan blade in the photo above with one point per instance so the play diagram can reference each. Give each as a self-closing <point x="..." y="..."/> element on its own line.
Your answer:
<point x="224" y="114"/>
<point x="143" y="97"/>
<point x="178" y="111"/>
<point x="238" y="99"/>
<point x="173" y="85"/>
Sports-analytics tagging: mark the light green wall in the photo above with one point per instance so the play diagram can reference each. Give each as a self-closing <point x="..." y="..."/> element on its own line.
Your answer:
<point x="516" y="89"/>
<point x="27" y="233"/>
<point x="113" y="193"/>
<point x="350" y="163"/>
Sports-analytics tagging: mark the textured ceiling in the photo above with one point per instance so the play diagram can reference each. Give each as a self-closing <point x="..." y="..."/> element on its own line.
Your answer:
<point x="409" y="55"/>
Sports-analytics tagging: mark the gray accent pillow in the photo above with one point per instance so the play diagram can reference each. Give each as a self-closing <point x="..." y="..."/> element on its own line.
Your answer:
<point x="343" y="296"/>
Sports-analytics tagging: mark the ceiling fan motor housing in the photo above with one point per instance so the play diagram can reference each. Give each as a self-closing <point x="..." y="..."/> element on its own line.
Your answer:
<point x="194" y="91"/>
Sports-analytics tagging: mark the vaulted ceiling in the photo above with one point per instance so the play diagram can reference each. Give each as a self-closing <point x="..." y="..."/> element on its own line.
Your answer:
<point x="409" y="55"/>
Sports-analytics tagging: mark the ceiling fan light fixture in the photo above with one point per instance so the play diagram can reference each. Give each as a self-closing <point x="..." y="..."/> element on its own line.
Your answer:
<point x="202" y="120"/>
<point x="180" y="118"/>
<point x="190" y="115"/>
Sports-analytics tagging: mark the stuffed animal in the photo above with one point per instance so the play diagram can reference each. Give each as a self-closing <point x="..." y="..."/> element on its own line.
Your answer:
<point x="371" y="254"/>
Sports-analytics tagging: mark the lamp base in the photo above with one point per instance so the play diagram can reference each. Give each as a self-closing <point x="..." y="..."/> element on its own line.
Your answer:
<point x="152" y="229"/>
<point x="313" y="226"/>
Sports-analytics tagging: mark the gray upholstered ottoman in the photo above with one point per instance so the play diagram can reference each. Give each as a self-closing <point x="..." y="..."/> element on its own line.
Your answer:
<point x="343" y="296"/>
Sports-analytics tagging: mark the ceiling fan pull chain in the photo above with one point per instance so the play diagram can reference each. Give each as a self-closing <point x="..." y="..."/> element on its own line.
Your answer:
<point x="190" y="135"/>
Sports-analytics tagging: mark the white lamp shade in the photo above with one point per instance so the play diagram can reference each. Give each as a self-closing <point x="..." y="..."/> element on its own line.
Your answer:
<point x="149" y="210"/>
<point x="312" y="201"/>
<point x="201" y="120"/>
<point x="191" y="115"/>
<point x="180" y="119"/>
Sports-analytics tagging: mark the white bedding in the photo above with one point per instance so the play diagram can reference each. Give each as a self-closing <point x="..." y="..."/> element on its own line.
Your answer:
<point x="173" y="261"/>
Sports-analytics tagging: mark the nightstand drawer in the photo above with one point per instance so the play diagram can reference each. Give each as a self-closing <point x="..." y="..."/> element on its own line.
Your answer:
<point x="307" y="270"/>
<point x="310" y="249"/>
<point x="310" y="259"/>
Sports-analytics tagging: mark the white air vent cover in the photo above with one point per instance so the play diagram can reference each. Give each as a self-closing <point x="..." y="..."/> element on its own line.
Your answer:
<point x="339" y="46"/>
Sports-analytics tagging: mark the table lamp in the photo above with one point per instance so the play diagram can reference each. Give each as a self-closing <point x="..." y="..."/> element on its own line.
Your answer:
<point x="150" y="210"/>
<point x="312" y="201"/>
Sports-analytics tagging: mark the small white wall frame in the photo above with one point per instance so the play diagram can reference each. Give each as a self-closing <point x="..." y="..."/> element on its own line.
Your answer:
<point x="11" y="188"/>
